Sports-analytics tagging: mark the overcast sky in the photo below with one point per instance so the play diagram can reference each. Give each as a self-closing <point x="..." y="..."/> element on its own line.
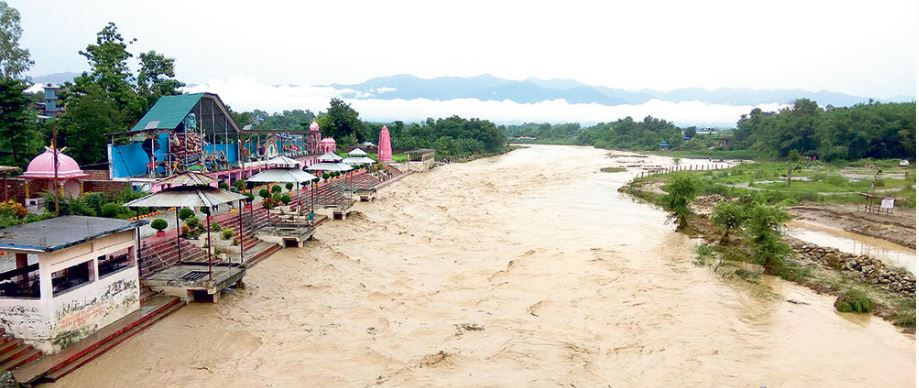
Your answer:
<point x="864" y="48"/>
<point x="858" y="47"/>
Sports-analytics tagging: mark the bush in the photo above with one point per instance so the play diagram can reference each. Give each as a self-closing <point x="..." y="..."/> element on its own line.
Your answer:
<point x="704" y="254"/>
<point x="223" y="186"/>
<point x="192" y="222"/>
<point x="285" y="199"/>
<point x="12" y="208"/>
<point x="729" y="216"/>
<point x="69" y="206"/>
<point x="289" y="186"/>
<point x="681" y="191"/>
<point x="192" y="228"/>
<point x="326" y="176"/>
<point x="240" y="184"/>
<point x="264" y="193"/>
<point x="764" y="224"/>
<point x="111" y="210"/>
<point x="215" y="227"/>
<point x="250" y="197"/>
<point x="204" y="210"/>
<point x="185" y="213"/>
<point x="853" y="301"/>
<point x="96" y="201"/>
<point x="226" y="234"/>
<point x="159" y="224"/>
<point x="276" y="189"/>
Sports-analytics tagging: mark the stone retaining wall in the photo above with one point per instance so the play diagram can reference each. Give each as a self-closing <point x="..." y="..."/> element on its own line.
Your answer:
<point x="869" y="269"/>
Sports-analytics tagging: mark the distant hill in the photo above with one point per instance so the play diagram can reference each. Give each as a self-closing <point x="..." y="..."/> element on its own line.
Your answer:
<point x="56" y="78"/>
<point x="488" y="87"/>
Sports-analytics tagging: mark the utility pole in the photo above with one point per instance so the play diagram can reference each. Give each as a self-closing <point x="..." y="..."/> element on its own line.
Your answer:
<point x="57" y="205"/>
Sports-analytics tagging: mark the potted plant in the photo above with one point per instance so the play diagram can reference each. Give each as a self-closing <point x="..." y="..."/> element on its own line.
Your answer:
<point x="240" y="184"/>
<point x="185" y="212"/>
<point x="160" y="225"/>
<point x="249" y="199"/>
<point x="285" y="199"/>
<point x="192" y="231"/>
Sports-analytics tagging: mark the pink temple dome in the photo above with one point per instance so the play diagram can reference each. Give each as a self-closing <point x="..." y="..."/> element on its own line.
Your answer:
<point x="384" y="148"/>
<point x="42" y="167"/>
<point x="314" y="126"/>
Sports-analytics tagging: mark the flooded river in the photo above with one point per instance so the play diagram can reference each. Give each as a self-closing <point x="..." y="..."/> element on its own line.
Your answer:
<point x="527" y="269"/>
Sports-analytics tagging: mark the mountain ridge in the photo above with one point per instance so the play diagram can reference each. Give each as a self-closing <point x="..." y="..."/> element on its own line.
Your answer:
<point x="490" y="88"/>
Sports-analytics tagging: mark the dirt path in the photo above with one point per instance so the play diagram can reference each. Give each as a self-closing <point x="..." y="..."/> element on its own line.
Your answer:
<point x="528" y="269"/>
<point x="898" y="227"/>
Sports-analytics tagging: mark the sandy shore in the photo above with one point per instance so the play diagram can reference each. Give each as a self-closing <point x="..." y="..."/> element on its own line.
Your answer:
<point x="526" y="269"/>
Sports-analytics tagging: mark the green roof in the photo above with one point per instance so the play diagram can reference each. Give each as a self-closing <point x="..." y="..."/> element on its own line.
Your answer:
<point x="168" y="112"/>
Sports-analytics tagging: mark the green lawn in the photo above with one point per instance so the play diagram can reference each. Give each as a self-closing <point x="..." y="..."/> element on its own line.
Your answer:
<point x="830" y="183"/>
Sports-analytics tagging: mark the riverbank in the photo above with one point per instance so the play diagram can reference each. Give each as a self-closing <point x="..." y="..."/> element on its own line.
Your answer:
<point x="514" y="270"/>
<point x="825" y="270"/>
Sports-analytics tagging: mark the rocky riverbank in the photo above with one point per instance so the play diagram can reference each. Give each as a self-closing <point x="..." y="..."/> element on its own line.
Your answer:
<point x="823" y="269"/>
<point x="866" y="268"/>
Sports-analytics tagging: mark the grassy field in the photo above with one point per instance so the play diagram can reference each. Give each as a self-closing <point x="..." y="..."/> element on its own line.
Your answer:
<point x="811" y="181"/>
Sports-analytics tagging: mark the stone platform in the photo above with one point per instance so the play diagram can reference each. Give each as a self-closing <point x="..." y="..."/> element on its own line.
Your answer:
<point x="190" y="281"/>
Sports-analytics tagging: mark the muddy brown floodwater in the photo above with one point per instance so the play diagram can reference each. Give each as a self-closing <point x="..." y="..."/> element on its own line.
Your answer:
<point x="527" y="269"/>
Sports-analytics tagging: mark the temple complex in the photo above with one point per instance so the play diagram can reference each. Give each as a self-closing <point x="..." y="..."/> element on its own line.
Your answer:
<point x="72" y="287"/>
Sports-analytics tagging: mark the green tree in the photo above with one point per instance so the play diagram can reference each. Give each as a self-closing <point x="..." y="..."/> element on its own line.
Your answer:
<point x="19" y="138"/>
<point x="764" y="225"/>
<point x="156" y="77"/>
<point x="110" y="74"/>
<point x="341" y="120"/>
<point x="14" y="60"/>
<point x="729" y="217"/>
<point x="681" y="191"/>
<point x="86" y="121"/>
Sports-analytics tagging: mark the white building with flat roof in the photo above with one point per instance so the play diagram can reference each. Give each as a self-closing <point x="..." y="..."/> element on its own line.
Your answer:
<point x="65" y="278"/>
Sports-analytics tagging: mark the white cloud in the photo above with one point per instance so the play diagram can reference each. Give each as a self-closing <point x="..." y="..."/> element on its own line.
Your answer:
<point x="243" y="93"/>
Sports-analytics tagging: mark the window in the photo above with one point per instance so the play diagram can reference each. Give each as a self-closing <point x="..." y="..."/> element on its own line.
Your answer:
<point x="20" y="283"/>
<point x="71" y="277"/>
<point x="114" y="262"/>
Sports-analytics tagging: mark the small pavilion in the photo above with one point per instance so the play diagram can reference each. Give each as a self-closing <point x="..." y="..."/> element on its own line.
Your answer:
<point x="71" y="276"/>
<point x="41" y="176"/>
<point x="327" y="145"/>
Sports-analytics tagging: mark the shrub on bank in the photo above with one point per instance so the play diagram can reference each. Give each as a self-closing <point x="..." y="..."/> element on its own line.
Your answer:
<point x="853" y="301"/>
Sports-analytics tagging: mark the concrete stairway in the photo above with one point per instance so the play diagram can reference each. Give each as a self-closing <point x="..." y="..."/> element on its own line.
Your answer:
<point x="15" y="353"/>
<point x="52" y="367"/>
<point x="159" y="253"/>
